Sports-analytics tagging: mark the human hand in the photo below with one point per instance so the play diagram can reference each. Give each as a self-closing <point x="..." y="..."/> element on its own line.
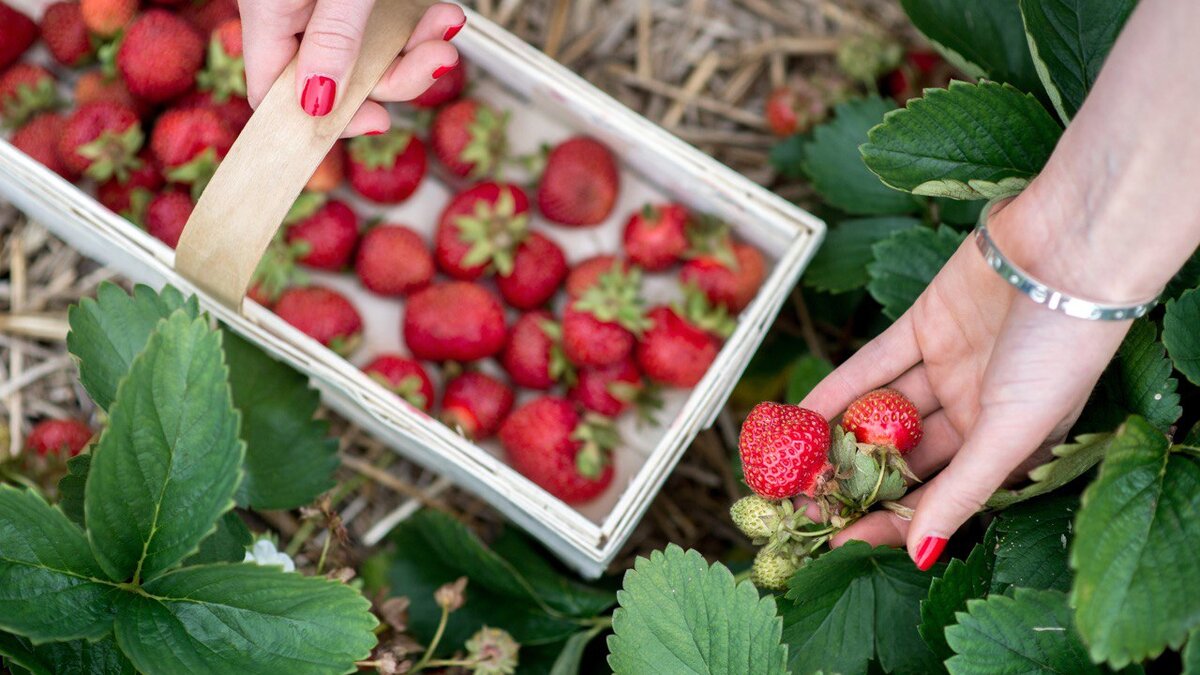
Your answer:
<point x="332" y="32"/>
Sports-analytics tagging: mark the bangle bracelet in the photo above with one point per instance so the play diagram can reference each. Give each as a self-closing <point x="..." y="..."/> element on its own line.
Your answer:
<point x="1043" y="294"/>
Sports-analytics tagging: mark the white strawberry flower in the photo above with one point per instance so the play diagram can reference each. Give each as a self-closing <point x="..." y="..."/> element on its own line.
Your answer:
<point x="263" y="552"/>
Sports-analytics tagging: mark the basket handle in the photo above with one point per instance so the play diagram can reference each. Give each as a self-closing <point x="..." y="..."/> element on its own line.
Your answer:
<point x="273" y="158"/>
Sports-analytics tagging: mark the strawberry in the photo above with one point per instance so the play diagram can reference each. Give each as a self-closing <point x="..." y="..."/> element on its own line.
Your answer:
<point x="884" y="418"/>
<point x="166" y="215"/>
<point x="94" y="85"/>
<point x="106" y="18"/>
<point x="732" y="285"/>
<point x="17" y="33"/>
<point x="585" y="274"/>
<point x="101" y="140"/>
<point x="756" y="517"/>
<point x="608" y="390"/>
<point x="404" y="377"/>
<point x="25" y="90"/>
<point x="446" y="88"/>
<point x="674" y="351"/>
<point x="920" y="69"/>
<point x="481" y="228"/>
<point x="66" y="34"/>
<point x="454" y="321"/>
<point x="475" y="404"/>
<point x="393" y="260"/>
<point x="324" y="315"/>
<point x="773" y="568"/>
<point x="656" y="236"/>
<point x="796" y="107"/>
<point x="533" y="355"/>
<point x="579" y="184"/>
<point x="122" y="196"/>
<point x="568" y="456"/>
<point x="785" y="451"/>
<point x="207" y="16"/>
<point x="330" y="171"/>
<point x="538" y="269"/>
<point x="601" y="327"/>
<point x="470" y="138"/>
<point x="160" y="56"/>
<point x="50" y="437"/>
<point x="277" y="271"/>
<point x="225" y="73"/>
<point x="39" y="139"/>
<point x="386" y="168"/>
<point x="328" y="231"/>
<point x="235" y="111"/>
<point x="189" y="143"/>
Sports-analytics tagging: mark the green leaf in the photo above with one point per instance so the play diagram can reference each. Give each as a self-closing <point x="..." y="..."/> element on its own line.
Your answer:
<point x="1030" y="632"/>
<point x="959" y="212"/>
<point x="290" y="459"/>
<point x="167" y="466"/>
<point x="678" y="614"/>
<point x="788" y="156"/>
<point x="948" y="594"/>
<point x="227" y="544"/>
<point x="245" y="619"/>
<point x="970" y="141"/>
<point x="1068" y="40"/>
<point x="51" y="588"/>
<point x="853" y="605"/>
<point x="76" y="657"/>
<point x="570" y="659"/>
<point x="1134" y="553"/>
<point x="1187" y="278"/>
<point x="1180" y="334"/>
<point x="1137" y="382"/>
<point x="980" y="37"/>
<point x="840" y="264"/>
<point x="108" y="332"/>
<point x="806" y="372"/>
<point x="1032" y="540"/>
<point x="835" y="167"/>
<point x="1071" y="461"/>
<point x="905" y="263"/>
<point x="1191" y="655"/>
<point x="70" y="487"/>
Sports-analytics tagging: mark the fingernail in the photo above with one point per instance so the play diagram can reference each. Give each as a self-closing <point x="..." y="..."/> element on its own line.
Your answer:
<point x="318" y="95"/>
<point x="928" y="552"/>
<point x="442" y="70"/>
<point x="375" y="133"/>
<point x="453" y="30"/>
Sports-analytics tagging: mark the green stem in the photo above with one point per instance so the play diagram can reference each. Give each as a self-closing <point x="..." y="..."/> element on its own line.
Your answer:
<point x="324" y="551"/>
<point x="433" y="644"/>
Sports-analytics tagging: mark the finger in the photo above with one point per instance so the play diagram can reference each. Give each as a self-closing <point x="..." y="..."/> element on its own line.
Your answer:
<point x="938" y="445"/>
<point x="327" y="52"/>
<point x="371" y="118"/>
<point x="880" y="528"/>
<point x="414" y="72"/>
<point x="441" y="22"/>
<point x="269" y="41"/>
<point x="915" y="386"/>
<point x="880" y="361"/>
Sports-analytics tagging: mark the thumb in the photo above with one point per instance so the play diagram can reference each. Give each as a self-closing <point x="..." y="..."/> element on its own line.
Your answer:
<point x="328" y="50"/>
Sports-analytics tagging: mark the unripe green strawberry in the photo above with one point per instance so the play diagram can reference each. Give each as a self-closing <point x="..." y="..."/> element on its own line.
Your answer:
<point x="756" y="517"/>
<point x="772" y="569"/>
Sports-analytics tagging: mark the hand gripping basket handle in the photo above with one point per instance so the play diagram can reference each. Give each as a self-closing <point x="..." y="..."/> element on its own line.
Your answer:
<point x="274" y="157"/>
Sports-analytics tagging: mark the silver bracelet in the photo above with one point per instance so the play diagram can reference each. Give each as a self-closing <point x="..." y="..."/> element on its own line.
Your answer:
<point x="1043" y="294"/>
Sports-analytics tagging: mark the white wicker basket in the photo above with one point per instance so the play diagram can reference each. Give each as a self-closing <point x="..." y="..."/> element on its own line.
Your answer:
<point x="549" y="103"/>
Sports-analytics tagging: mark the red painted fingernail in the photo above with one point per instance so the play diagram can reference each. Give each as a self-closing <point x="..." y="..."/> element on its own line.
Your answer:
<point x="318" y="95"/>
<point x="375" y="133"/>
<point x="442" y="70"/>
<point x="453" y="30"/>
<point x="928" y="552"/>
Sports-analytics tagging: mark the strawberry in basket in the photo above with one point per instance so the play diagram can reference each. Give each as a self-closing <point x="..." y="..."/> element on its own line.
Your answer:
<point x="567" y="454"/>
<point x="107" y="18"/>
<point x="66" y="35"/>
<point x="585" y="274"/>
<point x="25" y="90"/>
<point x="454" y="321"/>
<point x="167" y="214"/>
<point x="101" y="140"/>
<point x="470" y="138"/>
<point x="324" y="315"/>
<point x="475" y="404"/>
<point x="538" y="269"/>
<point x="386" y="168"/>
<point x="403" y="376"/>
<point x="326" y="231"/>
<point x="480" y="229"/>
<point x="17" y="33"/>
<point x="189" y="143"/>
<point x="533" y="355"/>
<point x="160" y="56"/>
<point x="96" y="85"/>
<point x="378" y="251"/>
<point x="579" y="183"/>
<point x="39" y="139"/>
<point x="656" y="236"/>
<point x="601" y="327"/>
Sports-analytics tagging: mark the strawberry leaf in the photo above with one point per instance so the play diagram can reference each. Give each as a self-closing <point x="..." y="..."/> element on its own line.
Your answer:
<point x="1180" y="335"/>
<point x="679" y="614"/>
<point x="855" y="605"/>
<point x="970" y="141"/>
<point x="1134" y="553"/>
<point x="1029" y="632"/>
<point x="948" y="594"/>
<point x="76" y="657"/>
<point x="70" y="488"/>
<point x="243" y="618"/>
<point x="805" y="373"/>
<point x="1191" y="655"/>
<point x="840" y="264"/>
<point x="1031" y="544"/>
<point x="1137" y="382"/>
<point x="227" y="544"/>
<point x="905" y="263"/>
<point x="1070" y="461"/>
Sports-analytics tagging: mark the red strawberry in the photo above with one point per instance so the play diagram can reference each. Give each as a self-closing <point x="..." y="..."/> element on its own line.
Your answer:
<point x="101" y="140"/>
<point x="50" y="437"/>
<point x="160" y="56"/>
<point x="886" y="418"/>
<point x="235" y="111"/>
<point x="328" y="231"/>
<point x="785" y="451"/>
<point x="601" y="327"/>
<point x="66" y="34"/>
<point x="795" y="108"/>
<point x="533" y="355"/>
<point x="446" y="88"/>
<point x="579" y="184"/>
<point x="585" y="275"/>
<point x="276" y="272"/>
<point x="393" y="260"/>
<point x="674" y="351"/>
<point x="324" y="315"/>
<point x="475" y="404"/>
<point x="656" y="236"/>
<point x="39" y="140"/>
<point x="608" y="390"/>
<point x="206" y="16"/>
<point x="404" y="377"/>
<point x="106" y="18"/>
<point x="25" y="90"/>
<point x="481" y="227"/>
<point x="17" y="33"/>
<point x="330" y="171"/>
<point x="166" y="215"/>
<point x="119" y="196"/>
<point x="470" y="138"/>
<point x="568" y="456"/>
<point x="733" y="286"/>
<point x="539" y="268"/>
<point x="94" y="85"/>
<point x="225" y="74"/>
<point x="189" y="143"/>
<point x="454" y="321"/>
<point x="386" y="168"/>
<point x="920" y="69"/>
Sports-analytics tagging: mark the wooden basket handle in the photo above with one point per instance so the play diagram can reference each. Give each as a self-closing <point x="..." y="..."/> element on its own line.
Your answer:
<point x="272" y="160"/>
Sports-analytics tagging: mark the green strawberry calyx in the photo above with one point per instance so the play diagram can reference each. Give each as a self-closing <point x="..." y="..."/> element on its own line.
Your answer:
<point x="616" y="297"/>
<point x="493" y="232"/>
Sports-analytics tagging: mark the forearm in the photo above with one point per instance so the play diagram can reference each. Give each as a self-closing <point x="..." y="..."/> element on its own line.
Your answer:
<point x="1116" y="211"/>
